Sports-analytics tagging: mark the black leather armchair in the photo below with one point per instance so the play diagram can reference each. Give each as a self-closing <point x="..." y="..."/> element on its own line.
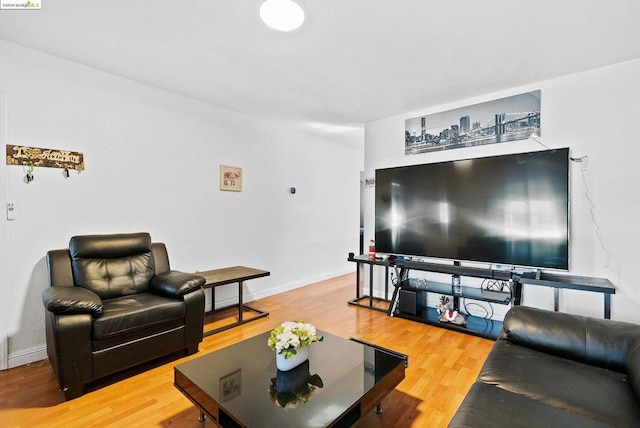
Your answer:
<point x="113" y="303"/>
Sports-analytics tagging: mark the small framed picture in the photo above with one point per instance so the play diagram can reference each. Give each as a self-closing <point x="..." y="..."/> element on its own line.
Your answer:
<point x="230" y="178"/>
<point x="230" y="385"/>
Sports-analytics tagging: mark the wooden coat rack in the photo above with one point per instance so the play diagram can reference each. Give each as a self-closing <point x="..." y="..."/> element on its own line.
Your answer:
<point x="48" y="158"/>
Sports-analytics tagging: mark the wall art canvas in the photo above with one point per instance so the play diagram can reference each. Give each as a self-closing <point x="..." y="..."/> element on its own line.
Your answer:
<point x="499" y="121"/>
<point x="230" y="178"/>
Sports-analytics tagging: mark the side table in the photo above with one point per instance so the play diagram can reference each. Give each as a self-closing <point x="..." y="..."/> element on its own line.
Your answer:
<point x="237" y="274"/>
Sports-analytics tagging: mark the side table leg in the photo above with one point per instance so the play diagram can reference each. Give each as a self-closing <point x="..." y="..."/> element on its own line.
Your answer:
<point x="213" y="299"/>
<point x="357" y="281"/>
<point x="240" y="302"/>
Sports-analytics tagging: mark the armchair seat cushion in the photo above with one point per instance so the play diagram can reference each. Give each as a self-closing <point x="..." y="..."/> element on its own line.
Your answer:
<point x="127" y="314"/>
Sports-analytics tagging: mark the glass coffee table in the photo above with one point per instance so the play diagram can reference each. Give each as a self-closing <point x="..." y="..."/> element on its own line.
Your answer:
<point x="239" y="386"/>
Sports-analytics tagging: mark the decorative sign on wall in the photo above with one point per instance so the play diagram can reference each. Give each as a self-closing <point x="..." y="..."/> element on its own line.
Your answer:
<point x="50" y="158"/>
<point x="506" y="119"/>
<point x="230" y="178"/>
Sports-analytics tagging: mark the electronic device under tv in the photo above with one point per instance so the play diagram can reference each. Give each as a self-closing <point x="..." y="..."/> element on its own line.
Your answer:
<point x="510" y="209"/>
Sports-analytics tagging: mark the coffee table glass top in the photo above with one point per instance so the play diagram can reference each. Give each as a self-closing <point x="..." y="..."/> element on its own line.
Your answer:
<point x="242" y="380"/>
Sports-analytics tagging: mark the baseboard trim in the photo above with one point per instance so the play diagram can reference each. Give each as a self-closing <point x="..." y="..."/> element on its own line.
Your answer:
<point x="27" y="356"/>
<point x="293" y="285"/>
<point x="249" y="297"/>
<point x="296" y="284"/>
<point x="4" y="358"/>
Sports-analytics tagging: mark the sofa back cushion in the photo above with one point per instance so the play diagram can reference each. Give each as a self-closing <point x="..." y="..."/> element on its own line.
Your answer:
<point x="112" y="265"/>
<point x="599" y="342"/>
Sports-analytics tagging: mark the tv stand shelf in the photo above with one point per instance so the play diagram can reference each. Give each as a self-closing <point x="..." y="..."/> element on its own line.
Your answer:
<point x="478" y="326"/>
<point x="453" y="269"/>
<point x="582" y="283"/>
<point x="474" y="293"/>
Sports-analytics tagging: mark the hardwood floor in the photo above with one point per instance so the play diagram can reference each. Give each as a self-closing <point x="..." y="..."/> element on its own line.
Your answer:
<point x="442" y="366"/>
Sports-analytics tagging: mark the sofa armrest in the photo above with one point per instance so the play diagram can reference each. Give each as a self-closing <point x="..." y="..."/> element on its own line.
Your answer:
<point x="71" y="301"/>
<point x="599" y="342"/>
<point x="175" y="284"/>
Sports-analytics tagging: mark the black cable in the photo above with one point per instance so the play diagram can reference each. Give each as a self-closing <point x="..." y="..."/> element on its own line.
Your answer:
<point x="492" y="284"/>
<point x="495" y="285"/>
<point x="488" y="315"/>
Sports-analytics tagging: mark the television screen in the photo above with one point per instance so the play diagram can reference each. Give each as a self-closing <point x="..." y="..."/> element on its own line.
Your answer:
<point x="510" y="209"/>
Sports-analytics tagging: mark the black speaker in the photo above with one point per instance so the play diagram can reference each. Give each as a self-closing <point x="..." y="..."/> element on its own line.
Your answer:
<point x="410" y="302"/>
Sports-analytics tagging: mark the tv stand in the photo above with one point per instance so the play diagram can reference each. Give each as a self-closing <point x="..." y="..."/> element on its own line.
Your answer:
<point x="412" y="293"/>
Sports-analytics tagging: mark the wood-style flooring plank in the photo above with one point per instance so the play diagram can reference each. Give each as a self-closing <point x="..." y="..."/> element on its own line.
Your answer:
<point x="442" y="366"/>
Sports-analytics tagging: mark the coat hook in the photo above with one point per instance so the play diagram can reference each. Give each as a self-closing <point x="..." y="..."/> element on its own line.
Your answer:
<point x="66" y="173"/>
<point x="29" y="173"/>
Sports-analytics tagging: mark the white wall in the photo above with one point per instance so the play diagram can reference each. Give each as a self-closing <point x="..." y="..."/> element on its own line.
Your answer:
<point x="594" y="113"/>
<point x="152" y="161"/>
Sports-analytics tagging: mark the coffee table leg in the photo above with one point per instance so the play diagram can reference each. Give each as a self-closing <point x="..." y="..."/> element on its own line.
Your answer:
<point x="202" y="417"/>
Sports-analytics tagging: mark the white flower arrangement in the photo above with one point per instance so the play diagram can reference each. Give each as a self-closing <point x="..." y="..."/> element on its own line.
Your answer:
<point x="292" y="335"/>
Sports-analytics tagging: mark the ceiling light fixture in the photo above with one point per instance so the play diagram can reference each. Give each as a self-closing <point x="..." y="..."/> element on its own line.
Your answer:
<point x="282" y="15"/>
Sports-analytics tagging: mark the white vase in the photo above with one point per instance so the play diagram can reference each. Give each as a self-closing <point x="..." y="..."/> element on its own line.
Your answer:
<point x="285" y="364"/>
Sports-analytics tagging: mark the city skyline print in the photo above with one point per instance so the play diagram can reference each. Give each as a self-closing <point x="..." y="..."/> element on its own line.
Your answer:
<point x="503" y="120"/>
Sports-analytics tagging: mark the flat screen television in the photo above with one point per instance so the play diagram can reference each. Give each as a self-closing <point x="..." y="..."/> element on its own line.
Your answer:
<point x="510" y="209"/>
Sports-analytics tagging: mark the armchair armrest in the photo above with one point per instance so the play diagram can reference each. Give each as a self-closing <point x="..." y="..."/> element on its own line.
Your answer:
<point x="72" y="301"/>
<point x="600" y="342"/>
<point x="175" y="284"/>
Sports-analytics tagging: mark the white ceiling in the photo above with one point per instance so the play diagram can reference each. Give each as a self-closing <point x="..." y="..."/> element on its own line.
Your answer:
<point x="353" y="61"/>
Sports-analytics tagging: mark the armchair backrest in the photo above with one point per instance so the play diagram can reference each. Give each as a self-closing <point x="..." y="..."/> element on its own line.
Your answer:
<point x="112" y="265"/>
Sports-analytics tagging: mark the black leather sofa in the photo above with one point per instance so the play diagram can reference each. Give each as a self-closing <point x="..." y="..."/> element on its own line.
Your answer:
<point x="550" y="369"/>
<point x="113" y="303"/>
